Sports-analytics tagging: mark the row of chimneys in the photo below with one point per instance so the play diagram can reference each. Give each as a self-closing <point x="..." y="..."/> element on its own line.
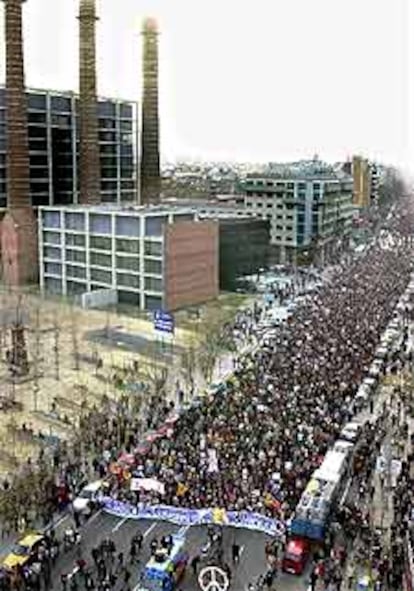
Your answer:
<point x="17" y="136"/>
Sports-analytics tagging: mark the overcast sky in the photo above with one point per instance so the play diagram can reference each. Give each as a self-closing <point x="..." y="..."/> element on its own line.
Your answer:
<point x="249" y="80"/>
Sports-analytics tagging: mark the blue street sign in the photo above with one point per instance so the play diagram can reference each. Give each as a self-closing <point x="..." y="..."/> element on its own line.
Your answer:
<point x="163" y="321"/>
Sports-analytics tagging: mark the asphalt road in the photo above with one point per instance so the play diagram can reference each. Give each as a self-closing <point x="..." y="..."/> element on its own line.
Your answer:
<point x="101" y="525"/>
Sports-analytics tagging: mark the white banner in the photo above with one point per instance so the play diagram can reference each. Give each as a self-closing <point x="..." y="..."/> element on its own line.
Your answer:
<point x="147" y="484"/>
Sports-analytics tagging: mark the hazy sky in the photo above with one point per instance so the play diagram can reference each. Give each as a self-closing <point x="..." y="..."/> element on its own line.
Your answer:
<point x="249" y="80"/>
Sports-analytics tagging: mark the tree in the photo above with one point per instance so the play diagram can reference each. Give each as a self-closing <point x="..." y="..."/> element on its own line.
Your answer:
<point x="189" y="365"/>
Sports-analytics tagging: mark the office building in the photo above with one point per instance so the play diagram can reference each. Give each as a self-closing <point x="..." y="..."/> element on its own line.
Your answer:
<point x="150" y="257"/>
<point x="53" y="126"/>
<point x="307" y="204"/>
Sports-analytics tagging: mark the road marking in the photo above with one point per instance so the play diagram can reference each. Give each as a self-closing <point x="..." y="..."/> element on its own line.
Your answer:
<point x="149" y="530"/>
<point x="94" y="516"/>
<point x="60" y="520"/>
<point x="182" y="531"/>
<point x="241" y="551"/>
<point x="119" y="524"/>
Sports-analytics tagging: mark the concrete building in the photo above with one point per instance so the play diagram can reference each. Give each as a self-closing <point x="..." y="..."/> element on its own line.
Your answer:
<point x="308" y="204"/>
<point x="151" y="257"/>
<point x="54" y="134"/>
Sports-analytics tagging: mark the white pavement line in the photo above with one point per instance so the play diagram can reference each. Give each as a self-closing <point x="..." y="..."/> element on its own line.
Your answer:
<point x="183" y="530"/>
<point x="119" y="524"/>
<point x="149" y="530"/>
<point x="60" y="520"/>
<point x="94" y="516"/>
<point x="241" y="551"/>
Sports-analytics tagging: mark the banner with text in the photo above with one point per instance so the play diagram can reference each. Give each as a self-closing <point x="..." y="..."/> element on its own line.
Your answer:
<point x="184" y="517"/>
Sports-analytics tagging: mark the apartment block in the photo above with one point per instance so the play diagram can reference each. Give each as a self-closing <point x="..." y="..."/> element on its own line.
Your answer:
<point x="305" y="203"/>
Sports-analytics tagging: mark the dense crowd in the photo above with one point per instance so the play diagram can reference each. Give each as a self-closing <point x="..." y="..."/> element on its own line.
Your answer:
<point x="270" y="428"/>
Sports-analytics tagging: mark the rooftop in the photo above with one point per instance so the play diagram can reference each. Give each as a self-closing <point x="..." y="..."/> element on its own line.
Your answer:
<point x="163" y="209"/>
<point x="301" y="170"/>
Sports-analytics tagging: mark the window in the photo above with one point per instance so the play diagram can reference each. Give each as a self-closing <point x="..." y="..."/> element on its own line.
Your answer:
<point x="130" y="246"/>
<point x="130" y="263"/>
<point x="127" y="226"/>
<point x="153" y="284"/>
<point x="61" y="120"/>
<point x="109" y="173"/>
<point x="100" y="243"/>
<point x="75" y="256"/>
<point x="36" y="118"/>
<point x="107" y="136"/>
<point x="100" y="224"/>
<point x="75" y="287"/>
<point x="153" y="303"/>
<point x="126" y="111"/>
<point x="107" y="123"/>
<point x="126" y="125"/>
<point x="51" y="237"/>
<point x="101" y="276"/>
<point x="60" y="104"/>
<point x="75" y="221"/>
<point x="108" y="186"/>
<point x="53" y="286"/>
<point x="126" y="149"/>
<point x="152" y="248"/>
<point x="75" y="239"/>
<point x="36" y="101"/>
<point x="153" y="267"/>
<point x="51" y="219"/>
<point x="106" y="109"/>
<point x="76" y="272"/>
<point x="126" y="280"/>
<point x="53" y="268"/>
<point x="100" y="259"/>
<point x="52" y="253"/>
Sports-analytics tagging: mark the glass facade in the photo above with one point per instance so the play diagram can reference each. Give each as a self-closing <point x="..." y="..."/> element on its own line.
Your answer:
<point x="54" y="149"/>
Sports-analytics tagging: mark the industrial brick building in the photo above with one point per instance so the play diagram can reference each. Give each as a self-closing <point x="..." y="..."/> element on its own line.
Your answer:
<point x="53" y="128"/>
<point x="150" y="257"/>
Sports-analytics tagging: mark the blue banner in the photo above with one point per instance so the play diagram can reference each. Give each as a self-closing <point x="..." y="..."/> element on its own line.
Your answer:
<point x="183" y="517"/>
<point x="163" y="321"/>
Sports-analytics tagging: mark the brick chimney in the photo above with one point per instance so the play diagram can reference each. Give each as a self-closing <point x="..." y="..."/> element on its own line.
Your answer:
<point x="89" y="163"/>
<point x="19" y="227"/>
<point x="150" y="179"/>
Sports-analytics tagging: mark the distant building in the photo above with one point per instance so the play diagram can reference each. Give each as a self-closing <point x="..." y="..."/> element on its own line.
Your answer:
<point x="151" y="257"/>
<point x="54" y="148"/>
<point x="361" y="172"/>
<point x="243" y="250"/>
<point x="308" y="205"/>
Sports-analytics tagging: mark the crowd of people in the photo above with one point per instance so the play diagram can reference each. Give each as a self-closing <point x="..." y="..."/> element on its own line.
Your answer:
<point x="274" y="422"/>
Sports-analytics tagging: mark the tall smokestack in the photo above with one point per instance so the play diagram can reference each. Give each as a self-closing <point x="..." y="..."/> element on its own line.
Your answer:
<point x="18" y="163"/>
<point x="150" y="149"/>
<point x="89" y="174"/>
<point x="19" y="228"/>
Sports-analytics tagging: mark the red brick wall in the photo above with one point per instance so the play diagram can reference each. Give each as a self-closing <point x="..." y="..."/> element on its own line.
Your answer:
<point x="19" y="249"/>
<point x="191" y="272"/>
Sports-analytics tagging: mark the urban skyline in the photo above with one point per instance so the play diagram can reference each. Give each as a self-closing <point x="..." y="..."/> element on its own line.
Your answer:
<point x="222" y="100"/>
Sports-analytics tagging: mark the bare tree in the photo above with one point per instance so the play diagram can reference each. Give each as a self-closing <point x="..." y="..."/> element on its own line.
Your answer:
<point x="189" y="365"/>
